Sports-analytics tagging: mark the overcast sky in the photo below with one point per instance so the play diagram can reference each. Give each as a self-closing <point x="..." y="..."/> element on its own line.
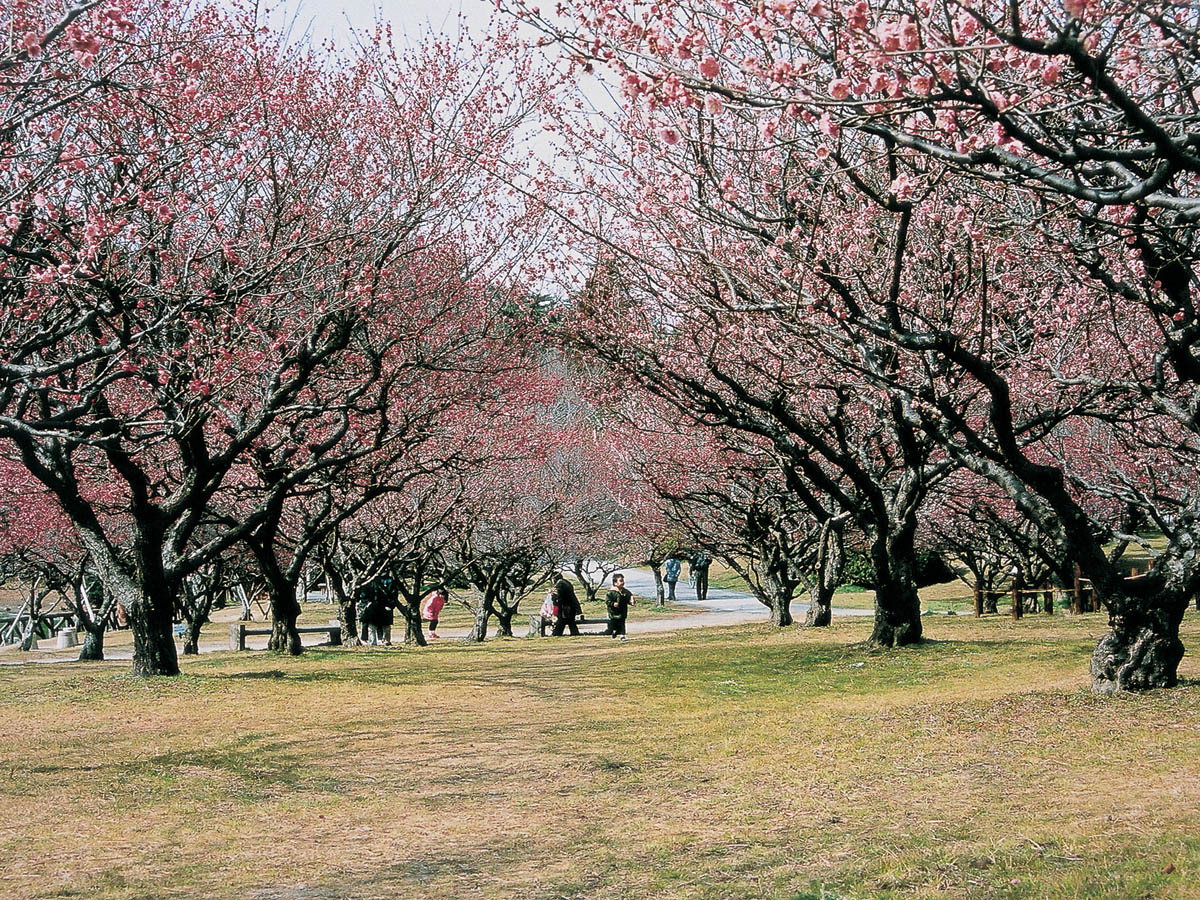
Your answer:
<point x="326" y="19"/>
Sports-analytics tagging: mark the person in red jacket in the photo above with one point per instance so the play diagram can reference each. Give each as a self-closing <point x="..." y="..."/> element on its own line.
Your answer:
<point x="433" y="609"/>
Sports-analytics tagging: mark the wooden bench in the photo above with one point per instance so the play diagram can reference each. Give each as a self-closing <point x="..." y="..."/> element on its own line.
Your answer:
<point x="239" y="631"/>
<point x="535" y="626"/>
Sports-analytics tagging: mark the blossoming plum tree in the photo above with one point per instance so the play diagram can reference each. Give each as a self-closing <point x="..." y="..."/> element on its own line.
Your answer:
<point x="1029" y="170"/>
<point x="195" y="254"/>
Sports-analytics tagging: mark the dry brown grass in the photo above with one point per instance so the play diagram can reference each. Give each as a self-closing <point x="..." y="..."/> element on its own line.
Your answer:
<point x="734" y="763"/>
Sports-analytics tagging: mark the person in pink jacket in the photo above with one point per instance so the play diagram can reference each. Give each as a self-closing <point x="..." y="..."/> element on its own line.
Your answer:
<point x="433" y="609"/>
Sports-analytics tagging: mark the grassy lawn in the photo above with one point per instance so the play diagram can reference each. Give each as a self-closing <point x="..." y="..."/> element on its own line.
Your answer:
<point x="716" y="765"/>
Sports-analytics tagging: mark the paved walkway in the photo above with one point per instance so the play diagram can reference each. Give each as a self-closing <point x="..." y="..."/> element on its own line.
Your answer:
<point x="722" y="603"/>
<point x="723" y="607"/>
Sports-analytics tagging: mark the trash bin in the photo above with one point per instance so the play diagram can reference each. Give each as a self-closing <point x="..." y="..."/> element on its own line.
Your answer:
<point x="66" y="638"/>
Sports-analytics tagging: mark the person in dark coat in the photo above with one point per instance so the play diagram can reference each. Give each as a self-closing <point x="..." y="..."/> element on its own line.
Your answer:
<point x="617" y="600"/>
<point x="568" y="607"/>
<point x="377" y="610"/>
<point x="700" y="563"/>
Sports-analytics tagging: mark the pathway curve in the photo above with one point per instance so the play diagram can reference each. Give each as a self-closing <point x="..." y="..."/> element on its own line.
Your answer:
<point x="724" y="606"/>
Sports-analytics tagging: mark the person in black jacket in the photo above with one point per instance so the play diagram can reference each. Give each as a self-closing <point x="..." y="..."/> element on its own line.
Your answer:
<point x="617" y="600"/>
<point x="376" y="610"/>
<point x="700" y="563"/>
<point x="568" y="607"/>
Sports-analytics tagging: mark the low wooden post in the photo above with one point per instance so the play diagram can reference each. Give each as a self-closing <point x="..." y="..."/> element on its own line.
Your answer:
<point x="237" y="636"/>
<point x="1048" y="599"/>
<point x="1076" y="600"/>
<point x="1016" y="594"/>
<point x="978" y="601"/>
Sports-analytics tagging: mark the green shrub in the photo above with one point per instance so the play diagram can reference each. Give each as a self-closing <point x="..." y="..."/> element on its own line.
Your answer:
<point x="931" y="569"/>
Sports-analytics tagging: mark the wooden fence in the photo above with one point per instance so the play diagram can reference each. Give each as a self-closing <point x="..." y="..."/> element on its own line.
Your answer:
<point x="1083" y="596"/>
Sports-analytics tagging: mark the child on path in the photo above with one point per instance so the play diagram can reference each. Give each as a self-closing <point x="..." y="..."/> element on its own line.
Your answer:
<point x="617" y="600"/>
<point x="433" y="609"/>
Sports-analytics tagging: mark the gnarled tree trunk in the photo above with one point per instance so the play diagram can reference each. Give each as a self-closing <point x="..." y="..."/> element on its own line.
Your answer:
<point x="897" y="606"/>
<point x="92" y="648"/>
<point x="347" y="612"/>
<point x="150" y="600"/>
<point x="503" y="622"/>
<point x="830" y="564"/>
<point x="479" y="627"/>
<point x="151" y="621"/>
<point x="781" y="609"/>
<point x="1143" y="649"/>
<point x="191" y="637"/>
<point x="414" y="627"/>
<point x="285" y="610"/>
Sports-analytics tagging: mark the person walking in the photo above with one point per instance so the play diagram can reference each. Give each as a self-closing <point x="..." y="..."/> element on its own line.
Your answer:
<point x="671" y="570"/>
<point x="617" y="600"/>
<point x="700" y="563"/>
<point x="568" y="608"/>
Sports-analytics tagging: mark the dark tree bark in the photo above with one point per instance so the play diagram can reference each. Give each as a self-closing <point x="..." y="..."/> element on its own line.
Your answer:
<point x="820" y="607"/>
<point x="285" y="609"/>
<point x="781" y="611"/>
<point x="830" y="564"/>
<point x="503" y="622"/>
<point x="897" y="605"/>
<point x="414" y="627"/>
<point x="191" y="637"/>
<point x="93" y="643"/>
<point x="93" y="618"/>
<point x="153" y="639"/>
<point x="150" y="599"/>
<point x="347" y="613"/>
<point x="1143" y="649"/>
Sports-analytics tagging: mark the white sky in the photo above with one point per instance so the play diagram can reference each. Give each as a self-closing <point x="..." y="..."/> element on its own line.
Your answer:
<point x="325" y="19"/>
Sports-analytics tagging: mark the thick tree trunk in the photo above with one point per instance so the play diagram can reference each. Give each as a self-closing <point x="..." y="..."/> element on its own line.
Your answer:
<point x="820" y="606"/>
<point x="831" y="561"/>
<point x="153" y="639"/>
<point x="93" y="644"/>
<point x="781" y="608"/>
<point x="147" y="595"/>
<point x="479" y="628"/>
<point x="897" y="606"/>
<point x="347" y="613"/>
<point x="1143" y="649"/>
<point x="414" y="628"/>
<point x="504" y="623"/>
<point x="151" y="619"/>
<point x="191" y="637"/>
<point x="284" y="611"/>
